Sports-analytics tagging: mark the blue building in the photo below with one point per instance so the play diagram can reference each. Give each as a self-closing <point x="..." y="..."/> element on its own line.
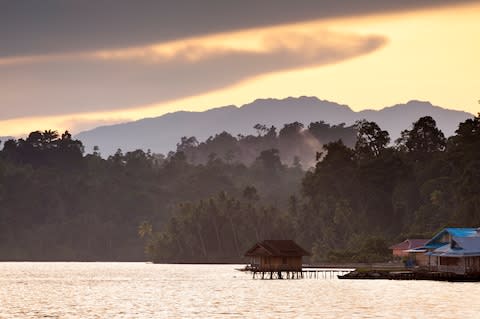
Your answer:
<point x="455" y="250"/>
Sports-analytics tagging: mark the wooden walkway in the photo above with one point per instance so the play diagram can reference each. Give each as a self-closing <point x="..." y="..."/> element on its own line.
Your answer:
<point x="325" y="273"/>
<point x="303" y="274"/>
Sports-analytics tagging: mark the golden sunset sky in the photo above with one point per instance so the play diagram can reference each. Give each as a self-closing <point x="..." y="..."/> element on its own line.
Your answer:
<point x="367" y="60"/>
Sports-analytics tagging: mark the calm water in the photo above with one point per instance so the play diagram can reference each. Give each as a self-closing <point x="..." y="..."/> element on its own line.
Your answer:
<point x="138" y="290"/>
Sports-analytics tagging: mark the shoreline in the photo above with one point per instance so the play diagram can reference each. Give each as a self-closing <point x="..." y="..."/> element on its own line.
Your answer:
<point x="375" y="274"/>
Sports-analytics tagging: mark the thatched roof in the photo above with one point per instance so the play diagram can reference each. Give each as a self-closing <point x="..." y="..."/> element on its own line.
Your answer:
<point x="277" y="248"/>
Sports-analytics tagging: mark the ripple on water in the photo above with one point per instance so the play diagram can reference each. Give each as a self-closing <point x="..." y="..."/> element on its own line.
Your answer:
<point x="140" y="290"/>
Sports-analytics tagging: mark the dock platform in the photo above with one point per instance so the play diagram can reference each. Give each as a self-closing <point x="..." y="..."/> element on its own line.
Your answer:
<point x="298" y="274"/>
<point x="412" y="275"/>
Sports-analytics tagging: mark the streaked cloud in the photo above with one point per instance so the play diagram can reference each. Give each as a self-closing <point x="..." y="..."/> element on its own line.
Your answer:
<point x="67" y="70"/>
<point x="32" y="27"/>
<point x="116" y="79"/>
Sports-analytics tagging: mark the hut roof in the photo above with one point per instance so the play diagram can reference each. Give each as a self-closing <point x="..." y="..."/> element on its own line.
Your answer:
<point x="459" y="247"/>
<point x="410" y="244"/>
<point x="437" y="242"/>
<point x="277" y="248"/>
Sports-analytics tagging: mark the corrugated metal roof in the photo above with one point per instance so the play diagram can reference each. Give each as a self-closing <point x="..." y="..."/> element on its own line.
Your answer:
<point x="410" y="244"/>
<point x="416" y="250"/>
<point x="402" y="246"/>
<point x="453" y="232"/>
<point x="463" y="232"/>
<point x="459" y="247"/>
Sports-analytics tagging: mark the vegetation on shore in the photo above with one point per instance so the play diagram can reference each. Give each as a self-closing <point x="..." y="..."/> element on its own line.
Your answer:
<point x="208" y="202"/>
<point x="349" y="208"/>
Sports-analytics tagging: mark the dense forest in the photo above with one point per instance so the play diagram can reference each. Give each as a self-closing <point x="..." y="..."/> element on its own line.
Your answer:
<point x="56" y="203"/>
<point x="209" y="201"/>
<point x="350" y="207"/>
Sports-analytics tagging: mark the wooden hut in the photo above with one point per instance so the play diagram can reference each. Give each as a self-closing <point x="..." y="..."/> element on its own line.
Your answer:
<point x="276" y="256"/>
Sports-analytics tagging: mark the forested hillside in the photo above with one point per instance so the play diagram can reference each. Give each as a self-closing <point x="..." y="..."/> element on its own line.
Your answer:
<point x="354" y="203"/>
<point x="202" y="204"/>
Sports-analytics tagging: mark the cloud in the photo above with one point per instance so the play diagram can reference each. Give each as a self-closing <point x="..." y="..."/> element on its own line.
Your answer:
<point x="116" y="79"/>
<point x="32" y="27"/>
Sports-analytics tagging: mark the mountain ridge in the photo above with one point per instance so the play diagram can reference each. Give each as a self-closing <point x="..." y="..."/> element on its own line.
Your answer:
<point x="160" y="134"/>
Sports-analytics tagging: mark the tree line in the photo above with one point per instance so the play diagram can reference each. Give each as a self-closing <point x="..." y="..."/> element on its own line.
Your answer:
<point x="58" y="203"/>
<point x="355" y="202"/>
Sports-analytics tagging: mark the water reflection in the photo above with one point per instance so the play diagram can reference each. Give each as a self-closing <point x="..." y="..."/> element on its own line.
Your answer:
<point x="138" y="290"/>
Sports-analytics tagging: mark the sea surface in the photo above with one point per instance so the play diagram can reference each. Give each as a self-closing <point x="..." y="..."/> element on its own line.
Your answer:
<point x="142" y="290"/>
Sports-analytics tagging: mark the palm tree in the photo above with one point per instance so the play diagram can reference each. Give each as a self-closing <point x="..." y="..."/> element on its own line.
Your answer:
<point x="49" y="136"/>
<point x="145" y="229"/>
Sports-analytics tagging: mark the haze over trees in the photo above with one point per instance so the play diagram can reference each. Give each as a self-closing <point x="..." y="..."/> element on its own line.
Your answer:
<point x="296" y="145"/>
<point x="209" y="201"/>
<point x="57" y="204"/>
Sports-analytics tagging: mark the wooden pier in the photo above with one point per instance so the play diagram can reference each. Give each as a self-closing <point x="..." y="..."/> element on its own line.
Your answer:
<point x="325" y="273"/>
<point x="303" y="274"/>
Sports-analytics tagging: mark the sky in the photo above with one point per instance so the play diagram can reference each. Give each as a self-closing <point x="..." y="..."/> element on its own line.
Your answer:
<point x="80" y="64"/>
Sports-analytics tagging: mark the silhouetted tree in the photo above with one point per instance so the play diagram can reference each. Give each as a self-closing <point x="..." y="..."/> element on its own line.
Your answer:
<point x="371" y="140"/>
<point x="424" y="137"/>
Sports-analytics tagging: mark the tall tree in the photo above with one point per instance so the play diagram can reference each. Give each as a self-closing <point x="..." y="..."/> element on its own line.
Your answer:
<point x="371" y="140"/>
<point x="424" y="137"/>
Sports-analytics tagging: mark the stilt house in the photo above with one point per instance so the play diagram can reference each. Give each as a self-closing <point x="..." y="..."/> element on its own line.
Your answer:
<point x="276" y="256"/>
<point x="455" y="250"/>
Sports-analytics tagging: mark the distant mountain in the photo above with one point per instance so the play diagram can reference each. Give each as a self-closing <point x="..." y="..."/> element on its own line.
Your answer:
<point x="161" y="134"/>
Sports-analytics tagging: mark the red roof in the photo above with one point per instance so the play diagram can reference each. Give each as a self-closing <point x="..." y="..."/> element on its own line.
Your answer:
<point x="409" y="244"/>
<point x="277" y="248"/>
